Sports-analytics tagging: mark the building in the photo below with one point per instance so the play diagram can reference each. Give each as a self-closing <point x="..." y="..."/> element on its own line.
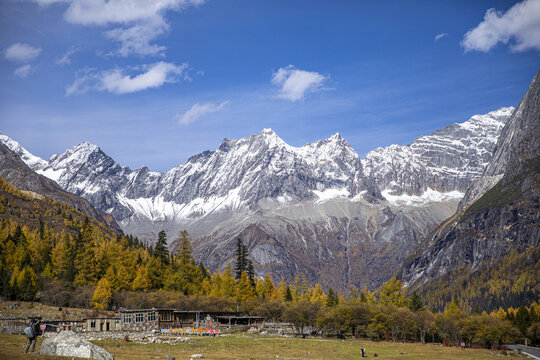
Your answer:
<point x="103" y="324"/>
<point x="146" y="319"/>
<point x="157" y="319"/>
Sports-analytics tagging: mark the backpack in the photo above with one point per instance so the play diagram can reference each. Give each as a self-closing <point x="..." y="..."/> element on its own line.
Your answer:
<point x="29" y="332"/>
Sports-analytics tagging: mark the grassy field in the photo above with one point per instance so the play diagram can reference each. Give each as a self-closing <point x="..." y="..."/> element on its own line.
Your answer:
<point x="258" y="347"/>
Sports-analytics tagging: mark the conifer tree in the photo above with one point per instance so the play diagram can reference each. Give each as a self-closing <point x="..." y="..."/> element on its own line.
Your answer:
<point x="184" y="248"/>
<point x="331" y="298"/>
<point x="244" y="290"/>
<point x="415" y="303"/>
<point x="317" y="294"/>
<point x="288" y="295"/>
<point x="250" y="273"/>
<point x="142" y="280"/>
<point x="228" y="282"/>
<point x="161" y="251"/>
<point x="241" y="259"/>
<point x="27" y="284"/>
<point x="391" y="293"/>
<point x="102" y="295"/>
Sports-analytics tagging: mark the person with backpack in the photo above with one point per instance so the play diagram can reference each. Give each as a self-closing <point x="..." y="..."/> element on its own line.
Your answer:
<point x="32" y="330"/>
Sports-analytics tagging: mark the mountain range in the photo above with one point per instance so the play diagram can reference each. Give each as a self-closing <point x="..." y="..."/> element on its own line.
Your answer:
<point x="317" y="210"/>
<point x="497" y="226"/>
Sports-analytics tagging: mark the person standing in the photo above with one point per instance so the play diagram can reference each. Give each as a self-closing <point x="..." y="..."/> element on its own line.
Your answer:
<point x="32" y="331"/>
<point x="363" y="352"/>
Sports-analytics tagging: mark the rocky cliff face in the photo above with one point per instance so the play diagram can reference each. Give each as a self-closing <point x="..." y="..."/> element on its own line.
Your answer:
<point x="316" y="209"/>
<point x="450" y="159"/>
<point x="500" y="212"/>
<point x="19" y="175"/>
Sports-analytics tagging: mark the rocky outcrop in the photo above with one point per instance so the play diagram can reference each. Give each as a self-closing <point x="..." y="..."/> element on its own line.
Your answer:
<point x="315" y="210"/>
<point x="493" y="218"/>
<point x="68" y="343"/>
<point x="450" y="159"/>
<point x="19" y="175"/>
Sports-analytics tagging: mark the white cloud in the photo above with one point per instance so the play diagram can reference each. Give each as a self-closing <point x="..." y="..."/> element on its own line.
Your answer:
<point x="197" y="111"/>
<point x="141" y="20"/>
<point x="66" y="58"/>
<point x="440" y="36"/>
<point x="294" y="83"/>
<point x="22" y="52"/>
<point x="136" y="39"/>
<point x="521" y="23"/>
<point x="115" y="81"/>
<point x="24" y="71"/>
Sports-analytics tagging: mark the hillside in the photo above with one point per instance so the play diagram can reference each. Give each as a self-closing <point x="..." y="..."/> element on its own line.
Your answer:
<point x="495" y="235"/>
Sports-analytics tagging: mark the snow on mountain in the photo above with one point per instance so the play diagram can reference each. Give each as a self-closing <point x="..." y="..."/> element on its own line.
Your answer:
<point x="34" y="162"/>
<point x="448" y="160"/>
<point x="315" y="209"/>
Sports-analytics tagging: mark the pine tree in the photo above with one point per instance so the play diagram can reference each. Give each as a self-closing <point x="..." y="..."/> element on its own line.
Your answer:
<point x="184" y="249"/>
<point x="241" y="261"/>
<point x="250" y="273"/>
<point x="415" y="303"/>
<point x="161" y="251"/>
<point x="27" y="284"/>
<point x="288" y="295"/>
<point x="331" y="298"/>
<point x="203" y="270"/>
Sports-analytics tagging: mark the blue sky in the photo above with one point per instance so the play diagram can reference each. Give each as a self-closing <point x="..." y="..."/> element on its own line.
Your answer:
<point x="153" y="83"/>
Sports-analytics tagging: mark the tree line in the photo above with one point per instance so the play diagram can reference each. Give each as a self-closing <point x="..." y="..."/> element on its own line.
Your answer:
<point x="54" y="253"/>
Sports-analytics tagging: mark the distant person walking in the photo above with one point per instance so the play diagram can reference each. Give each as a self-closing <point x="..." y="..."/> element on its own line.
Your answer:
<point x="32" y="330"/>
<point x="363" y="352"/>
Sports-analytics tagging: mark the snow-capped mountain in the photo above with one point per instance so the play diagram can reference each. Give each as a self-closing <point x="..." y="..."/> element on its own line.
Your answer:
<point x="315" y="209"/>
<point x="448" y="160"/>
<point x="499" y="214"/>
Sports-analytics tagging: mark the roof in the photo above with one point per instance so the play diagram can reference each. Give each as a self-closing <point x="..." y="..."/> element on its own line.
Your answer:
<point x="143" y="310"/>
<point x="242" y="317"/>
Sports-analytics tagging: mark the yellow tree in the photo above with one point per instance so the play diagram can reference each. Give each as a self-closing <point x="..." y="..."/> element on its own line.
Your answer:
<point x="281" y="291"/>
<point x="228" y="282"/>
<point x="142" y="280"/>
<point x="110" y="275"/>
<point x="317" y="295"/>
<point x="102" y="295"/>
<point x="61" y="258"/>
<point x="391" y="293"/>
<point x="244" y="290"/>
<point x="124" y="278"/>
<point x="266" y="287"/>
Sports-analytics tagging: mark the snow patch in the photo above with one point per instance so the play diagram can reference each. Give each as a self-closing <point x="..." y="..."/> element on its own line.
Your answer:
<point x="428" y="196"/>
<point x="330" y="194"/>
<point x="51" y="173"/>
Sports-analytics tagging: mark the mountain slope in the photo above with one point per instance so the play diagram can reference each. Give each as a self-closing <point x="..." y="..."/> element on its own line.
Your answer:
<point x="504" y="217"/>
<point x="19" y="175"/>
<point x="312" y="210"/>
<point x="448" y="160"/>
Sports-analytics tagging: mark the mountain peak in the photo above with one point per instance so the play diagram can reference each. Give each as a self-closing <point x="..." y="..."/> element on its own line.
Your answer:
<point x="34" y="162"/>
<point x="86" y="146"/>
<point x="268" y="132"/>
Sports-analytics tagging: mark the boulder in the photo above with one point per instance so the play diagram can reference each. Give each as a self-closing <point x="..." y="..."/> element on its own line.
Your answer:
<point x="67" y="343"/>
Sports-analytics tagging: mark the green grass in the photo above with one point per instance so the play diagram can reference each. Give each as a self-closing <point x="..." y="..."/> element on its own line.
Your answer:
<point x="260" y="347"/>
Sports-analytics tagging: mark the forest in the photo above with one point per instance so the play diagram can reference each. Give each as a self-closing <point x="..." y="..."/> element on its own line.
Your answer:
<point x="55" y="254"/>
